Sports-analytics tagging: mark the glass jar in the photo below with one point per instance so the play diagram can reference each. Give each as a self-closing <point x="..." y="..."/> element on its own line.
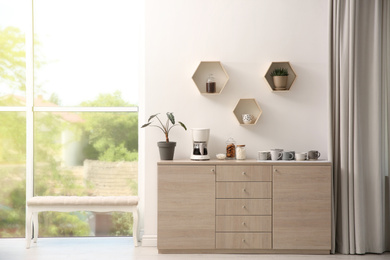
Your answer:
<point x="230" y="148"/>
<point x="210" y="84"/>
<point x="240" y="152"/>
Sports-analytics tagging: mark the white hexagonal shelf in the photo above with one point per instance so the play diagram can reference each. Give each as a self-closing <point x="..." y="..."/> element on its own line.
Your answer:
<point x="202" y="73"/>
<point x="282" y="64"/>
<point x="247" y="106"/>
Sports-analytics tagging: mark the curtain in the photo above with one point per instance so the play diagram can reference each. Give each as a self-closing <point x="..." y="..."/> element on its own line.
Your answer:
<point x="359" y="113"/>
<point x="386" y="108"/>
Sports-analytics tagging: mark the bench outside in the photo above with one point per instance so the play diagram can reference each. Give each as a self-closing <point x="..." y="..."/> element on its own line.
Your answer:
<point x="78" y="203"/>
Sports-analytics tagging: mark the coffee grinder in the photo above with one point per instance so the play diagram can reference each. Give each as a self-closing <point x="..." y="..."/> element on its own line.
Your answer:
<point x="200" y="137"/>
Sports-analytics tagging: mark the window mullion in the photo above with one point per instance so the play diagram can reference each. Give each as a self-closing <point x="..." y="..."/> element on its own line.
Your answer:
<point x="85" y="109"/>
<point x="29" y="99"/>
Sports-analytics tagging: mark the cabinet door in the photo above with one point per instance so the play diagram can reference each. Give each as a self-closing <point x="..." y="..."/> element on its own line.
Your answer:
<point x="302" y="207"/>
<point x="186" y="207"/>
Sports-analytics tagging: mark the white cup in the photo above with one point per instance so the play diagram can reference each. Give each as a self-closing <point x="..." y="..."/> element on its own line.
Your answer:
<point x="276" y="154"/>
<point x="300" y="156"/>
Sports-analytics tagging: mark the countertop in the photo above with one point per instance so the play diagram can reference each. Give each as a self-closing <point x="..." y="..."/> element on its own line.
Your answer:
<point x="243" y="162"/>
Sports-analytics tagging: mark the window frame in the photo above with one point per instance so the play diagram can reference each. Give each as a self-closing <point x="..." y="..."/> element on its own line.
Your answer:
<point x="29" y="107"/>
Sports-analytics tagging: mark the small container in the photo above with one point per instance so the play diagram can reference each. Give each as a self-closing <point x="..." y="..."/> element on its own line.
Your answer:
<point x="230" y="149"/>
<point x="210" y="84"/>
<point x="240" y="152"/>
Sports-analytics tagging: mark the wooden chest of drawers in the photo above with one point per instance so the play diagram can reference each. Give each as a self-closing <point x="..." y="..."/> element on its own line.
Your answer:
<point x="244" y="207"/>
<point x="243" y="192"/>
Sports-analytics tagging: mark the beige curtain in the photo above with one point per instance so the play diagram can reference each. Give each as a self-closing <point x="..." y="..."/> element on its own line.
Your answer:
<point x="386" y="108"/>
<point x="359" y="125"/>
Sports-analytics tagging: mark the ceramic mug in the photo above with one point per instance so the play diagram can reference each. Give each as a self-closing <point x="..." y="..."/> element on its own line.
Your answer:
<point x="288" y="156"/>
<point x="263" y="155"/>
<point x="313" y="155"/>
<point x="300" y="156"/>
<point x="247" y="118"/>
<point x="276" y="155"/>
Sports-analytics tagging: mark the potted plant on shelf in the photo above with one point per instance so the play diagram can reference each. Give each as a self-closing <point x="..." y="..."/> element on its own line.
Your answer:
<point x="167" y="148"/>
<point x="279" y="76"/>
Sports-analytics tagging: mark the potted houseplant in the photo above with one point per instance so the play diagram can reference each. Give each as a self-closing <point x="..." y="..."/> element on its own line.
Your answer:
<point x="167" y="148"/>
<point x="279" y="76"/>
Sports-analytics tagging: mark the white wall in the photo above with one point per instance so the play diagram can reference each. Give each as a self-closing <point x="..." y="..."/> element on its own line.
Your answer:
<point x="246" y="36"/>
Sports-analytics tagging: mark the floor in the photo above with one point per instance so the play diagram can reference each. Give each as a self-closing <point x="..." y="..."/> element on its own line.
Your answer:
<point x="122" y="248"/>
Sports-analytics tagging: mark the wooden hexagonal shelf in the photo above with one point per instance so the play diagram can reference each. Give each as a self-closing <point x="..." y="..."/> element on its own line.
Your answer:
<point x="247" y="106"/>
<point x="203" y="72"/>
<point x="282" y="64"/>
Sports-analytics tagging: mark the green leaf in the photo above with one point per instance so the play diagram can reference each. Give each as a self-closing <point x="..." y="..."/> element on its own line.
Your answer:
<point x="171" y="117"/>
<point x="183" y="125"/>
<point x="153" y="116"/>
<point x="145" y="125"/>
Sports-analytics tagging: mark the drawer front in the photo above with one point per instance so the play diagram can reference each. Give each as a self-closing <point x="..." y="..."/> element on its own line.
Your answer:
<point x="243" y="241"/>
<point x="243" y="173"/>
<point x="243" y="224"/>
<point x="243" y="190"/>
<point x="226" y="207"/>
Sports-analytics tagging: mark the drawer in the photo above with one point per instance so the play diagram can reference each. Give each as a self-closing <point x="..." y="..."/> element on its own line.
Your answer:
<point x="243" y="240"/>
<point x="226" y="207"/>
<point x="243" y="224"/>
<point x="243" y="173"/>
<point x="243" y="190"/>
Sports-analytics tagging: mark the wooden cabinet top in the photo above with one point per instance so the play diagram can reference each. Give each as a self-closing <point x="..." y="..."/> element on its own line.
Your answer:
<point x="245" y="162"/>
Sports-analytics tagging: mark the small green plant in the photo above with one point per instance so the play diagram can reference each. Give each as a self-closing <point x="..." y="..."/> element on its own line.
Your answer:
<point x="165" y="127"/>
<point x="279" y="72"/>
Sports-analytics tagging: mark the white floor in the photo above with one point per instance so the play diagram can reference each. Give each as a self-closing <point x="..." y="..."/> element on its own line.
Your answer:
<point x="123" y="248"/>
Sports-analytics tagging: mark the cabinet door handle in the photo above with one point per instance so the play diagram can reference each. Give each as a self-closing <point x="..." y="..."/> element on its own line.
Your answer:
<point x="213" y="170"/>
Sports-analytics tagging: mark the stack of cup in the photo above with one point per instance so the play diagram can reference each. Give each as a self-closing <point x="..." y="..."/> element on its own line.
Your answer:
<point x="263" y="155"/>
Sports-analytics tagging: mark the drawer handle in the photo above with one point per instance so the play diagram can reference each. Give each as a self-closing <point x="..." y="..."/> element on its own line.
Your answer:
<point x="243" y="223"/>
<point x="243" y="240"/>
<point x="243" y="190"/>
<point x="243" y="206"/>
<point x="243" y="173"/>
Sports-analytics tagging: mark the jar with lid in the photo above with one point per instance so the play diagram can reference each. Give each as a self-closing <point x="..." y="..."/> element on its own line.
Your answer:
<point x="210" y="84"/>
<point x="240" y="152"/>
<point x="230" y="148"/>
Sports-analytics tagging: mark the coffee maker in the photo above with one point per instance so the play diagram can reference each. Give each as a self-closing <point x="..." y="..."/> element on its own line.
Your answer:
<point x="200" y="137"/>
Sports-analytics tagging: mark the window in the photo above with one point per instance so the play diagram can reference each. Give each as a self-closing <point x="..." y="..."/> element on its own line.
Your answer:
<point x="76" y="113"/>
<point x="12" y="119"/>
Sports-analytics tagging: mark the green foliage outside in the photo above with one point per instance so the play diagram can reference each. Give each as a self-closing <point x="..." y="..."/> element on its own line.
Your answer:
<point x="12" y="58"/>
<point x="106" y="136"/>
<point x="112" y="137"/>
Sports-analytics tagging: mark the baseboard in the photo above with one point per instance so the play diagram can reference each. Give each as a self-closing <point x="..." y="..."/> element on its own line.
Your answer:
<point x="149" y="240"/>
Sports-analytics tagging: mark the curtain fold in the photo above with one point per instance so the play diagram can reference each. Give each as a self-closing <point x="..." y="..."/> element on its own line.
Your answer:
<point x="358" y="148"/>
<point x="386" y="108"/>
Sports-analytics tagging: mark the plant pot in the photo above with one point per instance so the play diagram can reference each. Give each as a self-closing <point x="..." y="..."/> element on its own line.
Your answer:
<point x="167" y="150"/>
<point x="280" y="82"/>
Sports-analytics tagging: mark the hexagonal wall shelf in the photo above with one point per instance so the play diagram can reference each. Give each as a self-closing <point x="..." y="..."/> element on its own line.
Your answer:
<point x="247" y="106"/>
<point x="283" y="64"/>
<point x="202" y="73"/>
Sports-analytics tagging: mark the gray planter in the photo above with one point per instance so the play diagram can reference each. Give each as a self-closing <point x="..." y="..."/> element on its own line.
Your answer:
<point x="167" y="150"/>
